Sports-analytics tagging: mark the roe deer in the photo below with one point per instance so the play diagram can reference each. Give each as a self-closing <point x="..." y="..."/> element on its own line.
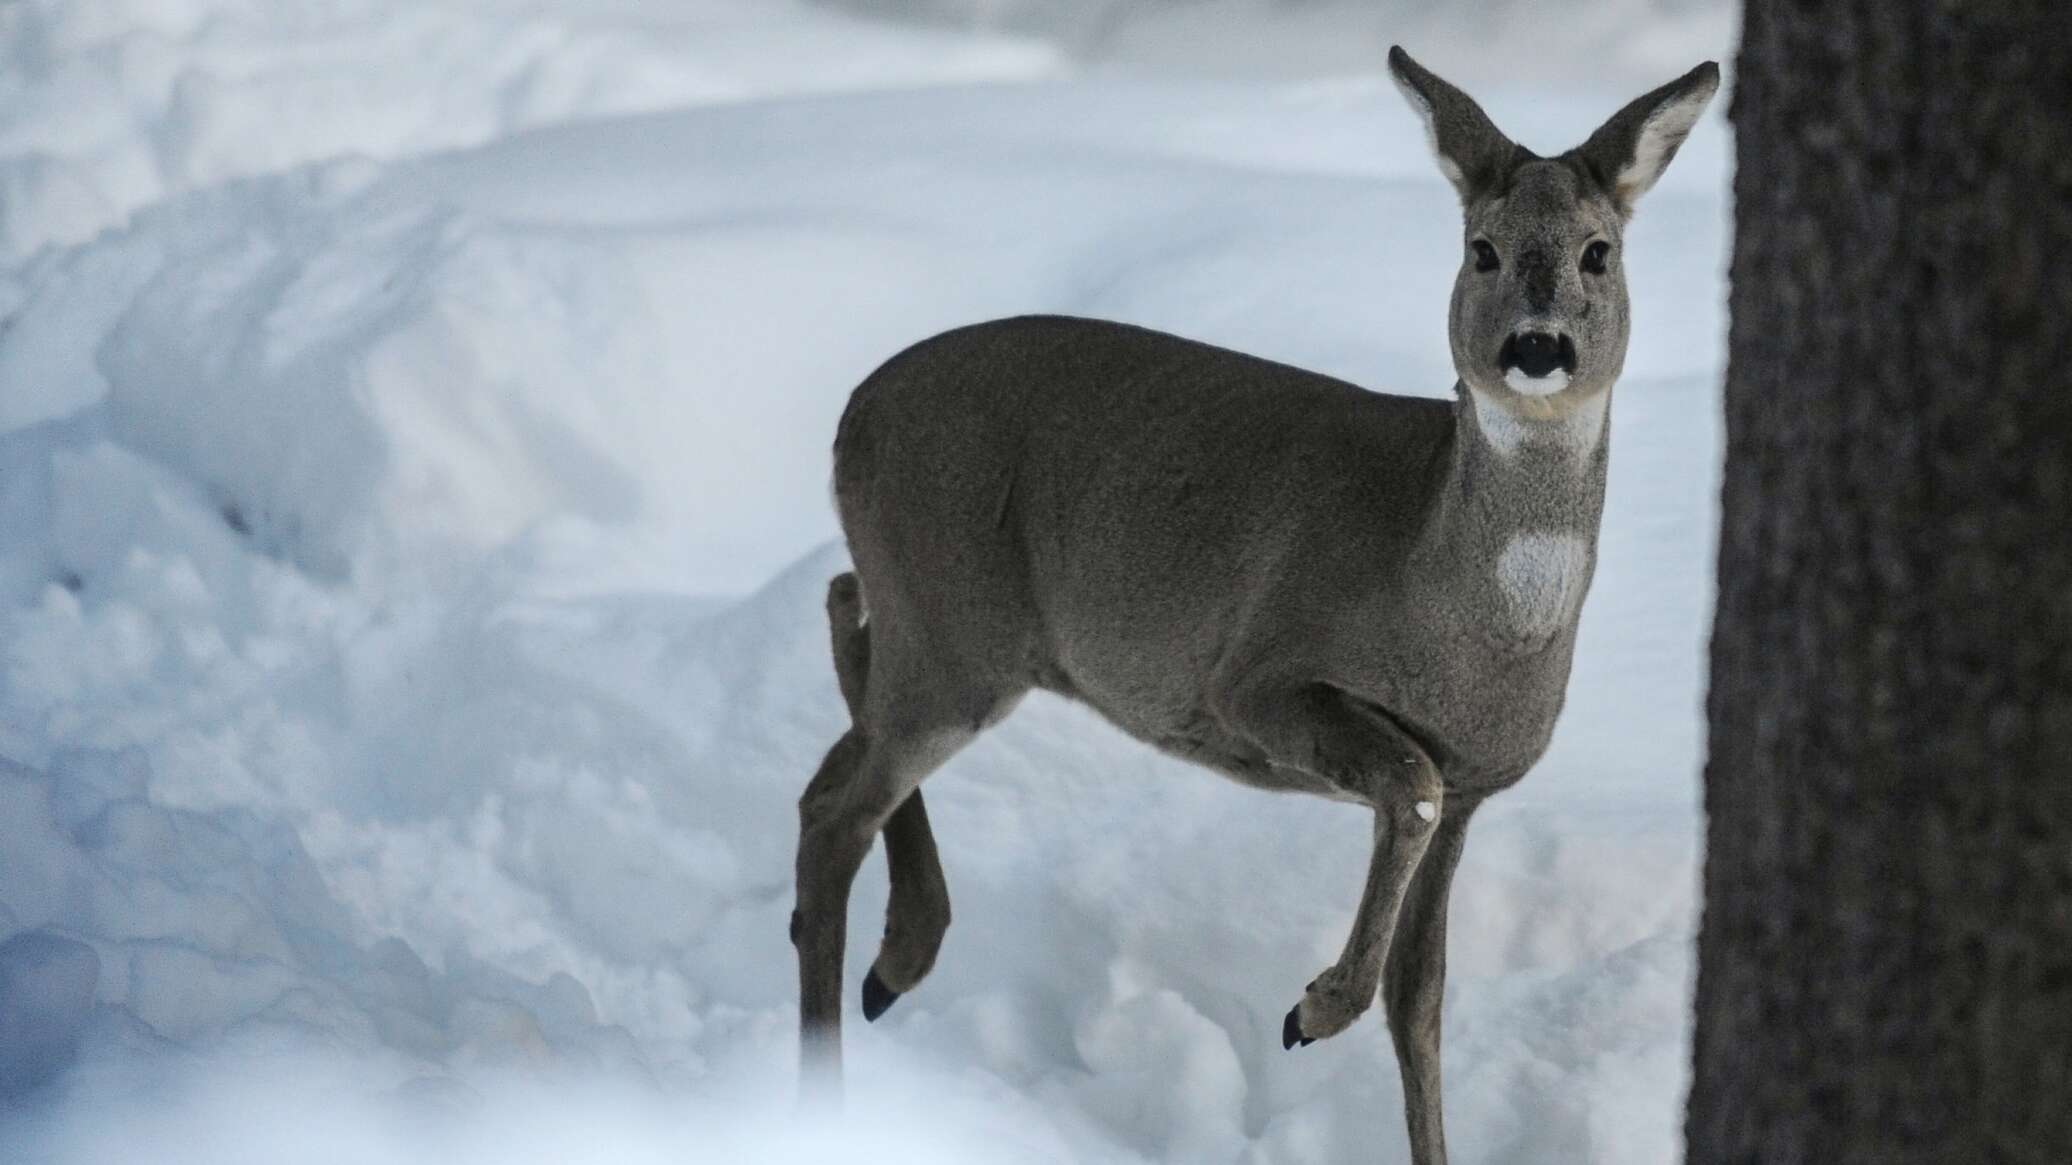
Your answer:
<point x="1296" y="582"/>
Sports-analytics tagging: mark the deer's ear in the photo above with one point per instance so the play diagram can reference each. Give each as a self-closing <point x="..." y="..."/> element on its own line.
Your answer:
<point x="1473" y="153"/>
<point x="1631" y="150"/>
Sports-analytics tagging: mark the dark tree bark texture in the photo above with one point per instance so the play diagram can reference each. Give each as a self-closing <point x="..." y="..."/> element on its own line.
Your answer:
<point x="1885" y="964"/>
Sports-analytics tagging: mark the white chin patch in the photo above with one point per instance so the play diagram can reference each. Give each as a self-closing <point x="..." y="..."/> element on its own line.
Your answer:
<point x="1547" y="385"/>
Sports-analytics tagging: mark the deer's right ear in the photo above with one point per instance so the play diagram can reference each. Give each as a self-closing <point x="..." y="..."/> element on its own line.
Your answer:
<point x="1473" y="153"/>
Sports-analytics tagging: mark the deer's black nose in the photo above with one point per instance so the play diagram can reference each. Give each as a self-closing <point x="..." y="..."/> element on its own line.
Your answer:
<point x="1538" y="353"/>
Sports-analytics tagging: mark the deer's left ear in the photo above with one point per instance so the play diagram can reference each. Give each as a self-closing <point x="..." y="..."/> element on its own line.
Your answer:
<point x="1631" y="150"/>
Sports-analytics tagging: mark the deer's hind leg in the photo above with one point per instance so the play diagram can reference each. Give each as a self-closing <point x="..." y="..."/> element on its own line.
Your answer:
<point x="918" y="711"/>
<point x="859" y="785"/>
<point x="918" y="914"/>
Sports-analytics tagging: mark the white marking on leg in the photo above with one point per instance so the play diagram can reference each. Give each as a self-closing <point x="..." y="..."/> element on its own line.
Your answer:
<point x="1543" y="578"/>
<point x="1427" y="811"/>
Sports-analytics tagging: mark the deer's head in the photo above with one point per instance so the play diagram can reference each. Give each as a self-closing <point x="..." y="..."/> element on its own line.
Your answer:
<point x="1539" y="311"/>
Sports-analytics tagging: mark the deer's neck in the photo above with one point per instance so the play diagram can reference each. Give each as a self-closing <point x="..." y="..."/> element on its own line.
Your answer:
<point x="1527" y="473"/>
<point x="1527" y="495"/>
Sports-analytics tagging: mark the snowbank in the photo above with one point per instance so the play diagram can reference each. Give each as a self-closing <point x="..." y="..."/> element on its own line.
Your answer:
<point x="109" y="106"/>
<point x="410" y="633"/>
<point x="1554" y="43"/>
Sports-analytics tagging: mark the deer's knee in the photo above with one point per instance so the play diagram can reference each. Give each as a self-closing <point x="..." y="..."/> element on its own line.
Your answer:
<point x="1409" y="793"/>
<point x="1415" y="811"/>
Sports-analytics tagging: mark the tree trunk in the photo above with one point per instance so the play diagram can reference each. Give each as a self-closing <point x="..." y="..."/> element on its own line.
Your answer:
<point x="1885" y="966"/>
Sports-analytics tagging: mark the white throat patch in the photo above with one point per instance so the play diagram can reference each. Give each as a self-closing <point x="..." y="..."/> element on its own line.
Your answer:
<point x="1542" y="577"/>
<point x="1579" y="430"/>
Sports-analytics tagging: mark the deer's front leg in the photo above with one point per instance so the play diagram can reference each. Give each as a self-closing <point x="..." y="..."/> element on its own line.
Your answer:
<point x="1414" y="982"/>
<point x="1359" y="750"/>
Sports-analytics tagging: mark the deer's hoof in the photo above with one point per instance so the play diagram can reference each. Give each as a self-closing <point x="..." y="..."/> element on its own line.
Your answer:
<point x="876" y="996"/>
<point x="1291" y="1030"/>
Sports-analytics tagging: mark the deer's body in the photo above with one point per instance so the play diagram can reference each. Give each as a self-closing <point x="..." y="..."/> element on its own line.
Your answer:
<point x="1293" y="581"/>
<point x="1138" y="520"/>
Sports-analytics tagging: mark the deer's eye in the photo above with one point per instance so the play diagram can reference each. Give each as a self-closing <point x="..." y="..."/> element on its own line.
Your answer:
<point x="1594" y="256"/>
<point x="1485" y="255"/>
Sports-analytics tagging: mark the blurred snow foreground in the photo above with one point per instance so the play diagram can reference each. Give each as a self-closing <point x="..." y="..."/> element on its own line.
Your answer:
<point x="410" y="580"/>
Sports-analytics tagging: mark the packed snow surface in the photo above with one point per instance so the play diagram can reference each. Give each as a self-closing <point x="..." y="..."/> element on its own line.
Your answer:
<point x="413" y="537"/>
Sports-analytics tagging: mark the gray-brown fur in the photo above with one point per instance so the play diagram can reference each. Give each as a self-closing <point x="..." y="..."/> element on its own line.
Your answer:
<point x="1294" y="581"/>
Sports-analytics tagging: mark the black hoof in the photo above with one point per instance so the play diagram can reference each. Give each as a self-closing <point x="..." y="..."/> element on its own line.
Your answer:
<point x="1291" y="1030"/>
<point x="794" y="928"/>
<point x="876" y="996"/>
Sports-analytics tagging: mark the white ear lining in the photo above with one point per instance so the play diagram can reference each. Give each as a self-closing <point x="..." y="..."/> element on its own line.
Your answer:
<point x="1664" y="130"/>
<point x="1431" y="128"/>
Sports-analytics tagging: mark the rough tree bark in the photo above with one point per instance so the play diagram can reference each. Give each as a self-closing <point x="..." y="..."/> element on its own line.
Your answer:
<point x="1885" y="965"/>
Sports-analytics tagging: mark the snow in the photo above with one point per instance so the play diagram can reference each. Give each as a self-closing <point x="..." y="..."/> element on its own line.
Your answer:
<point x="108" y="107"/>
<point x="1630" y="42"/>
<point x="413" y="541"/>
<point x="46" y="997"/>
